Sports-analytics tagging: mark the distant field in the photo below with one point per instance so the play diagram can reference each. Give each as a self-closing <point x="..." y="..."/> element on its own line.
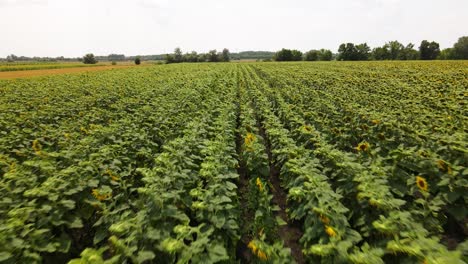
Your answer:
<point x="305" y="162"/>
<point x="27" y="66"/>
<point x="28" y="70"/>
<point x="41" y="66"/>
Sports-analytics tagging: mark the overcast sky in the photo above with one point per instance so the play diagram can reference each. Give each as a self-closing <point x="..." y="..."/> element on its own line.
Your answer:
<point x="131" y="27"/>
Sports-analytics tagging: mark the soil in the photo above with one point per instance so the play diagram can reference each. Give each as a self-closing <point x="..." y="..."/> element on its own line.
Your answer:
<point x="291" y="232"/>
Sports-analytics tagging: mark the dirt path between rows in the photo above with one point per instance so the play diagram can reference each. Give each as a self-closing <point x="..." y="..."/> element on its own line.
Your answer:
<point x="46" y="72"/>
<point x="291" y="232"/>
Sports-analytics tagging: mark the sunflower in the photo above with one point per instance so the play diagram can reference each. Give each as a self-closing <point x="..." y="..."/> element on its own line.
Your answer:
<point x="99" y="196"/>
<point x="421" y="183"/>
<point x="84" y="130"/>
<point x="324" y="219"/>
<point x="363" y="146"/>
<point x="252" y="246"/>
<point x="12" y="167"/>
<point x="381" y="136"/>
<point x="112" y="175"/>
<point x="330" y="231"/>
<point x="249" y="139"/>
<point x="261" y="255"/>
<point x="259" y="184"/>
<point x="36" y="146"/>
<point x="256" y="251"/>
<point x="307" y="128"/>
<point x="443" y="166"/>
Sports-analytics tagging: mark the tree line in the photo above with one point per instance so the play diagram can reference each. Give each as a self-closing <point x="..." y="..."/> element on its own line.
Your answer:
<point x="211" y="56"/>
<point x="392" y="50"/>
<point x="296" y="55"/>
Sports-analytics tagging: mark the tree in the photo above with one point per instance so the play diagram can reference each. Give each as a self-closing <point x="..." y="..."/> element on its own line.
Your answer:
<point x="137" y="60"/>
<point x="347" y="52"/>
<point x="178" y="55"/>
<point x="89" y="59"/>
<point x="311" y="55"/>
<point x="429" y="50"/>
<point x="350" y="52"/>
<point x="213" y="56"/>
<point x="363" y="52"/>
<point x="191" y="57"/>
<point x="408" y="53"/>
<point x="283" y="55"/>
<point x="446" y="54"/>
<point x="202" y="57"/>
<point x="225" y="55"/>
<point x="169" y="58"/>
<point x="296" y="55"/>
<point x="460" y="49"/>
<point x="116" y="57"/>
<point x="395" y="48"/>
<point x="381" y="53"/>
<point x="11" y="58"/>
<point x="325" y="55"/>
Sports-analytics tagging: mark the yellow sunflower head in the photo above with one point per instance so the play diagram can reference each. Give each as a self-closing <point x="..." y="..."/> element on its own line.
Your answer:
<point x="324" y="219"/>
<point x="261" y="255"/>
<point x="444" y="166"/>
<point x="330" y="231"/>
<point x="36" y="146"/>
<point x="256" y="251"/>
<point x="421" y="183"/>
<point x="252" y="246"/>
<point x="363" y="146"/>
<point x="249" y="139"/>
<point x="259" y="184"/>
<point x="307" y="128"/>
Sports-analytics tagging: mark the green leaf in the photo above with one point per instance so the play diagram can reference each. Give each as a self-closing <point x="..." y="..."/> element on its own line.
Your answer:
<point x="280" y="221"/>
<point x="76" y="223"/>
<point x="68" y="203"/>
<point x="101" y="233"/>
<point x="145" y="255"/>
<point x="5" y="255"/>
<point x="217" y="253"/>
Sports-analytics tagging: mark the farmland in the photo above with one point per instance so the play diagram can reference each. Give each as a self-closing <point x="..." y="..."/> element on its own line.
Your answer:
<point x="27" y="66"/>
<point x="324" y="162"/>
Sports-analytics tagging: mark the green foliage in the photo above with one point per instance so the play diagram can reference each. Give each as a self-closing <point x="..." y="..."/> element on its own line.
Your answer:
<point x="288" y="55"/>
<point x="212" y="56"/>
<point x="178" y="55"/>
<point x="446" y="54"/>
<point x="89" y="59"/>
<point x="311" y="55"/>
<point x="351" y="52"/>
<point x="394" y="50"/>
<point x="137" y="60"/>
<point x="141" y="165"/>
<point x="116" y="57"/>
<point x="283" y="55"/>
<point x="429" y="50"/>
<point x="225" y="55"/>
<point x="460" y="49"/>
<point x="325" y="55"/>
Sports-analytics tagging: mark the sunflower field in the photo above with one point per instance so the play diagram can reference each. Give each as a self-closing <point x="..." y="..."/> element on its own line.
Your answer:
<point x="322" y="162"/>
